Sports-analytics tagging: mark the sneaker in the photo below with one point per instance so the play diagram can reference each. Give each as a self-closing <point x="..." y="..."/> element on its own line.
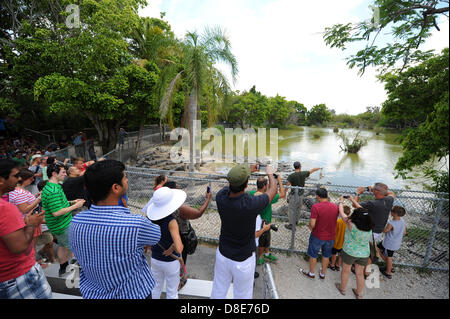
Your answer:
<point x="270" y="258"/>
<point x="260" y="261"/>
<point x="74" y="261"/>
<point x="62" y="272"/>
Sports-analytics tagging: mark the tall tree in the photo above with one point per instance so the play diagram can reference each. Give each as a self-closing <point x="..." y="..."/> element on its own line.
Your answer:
<point x="420" y="96"/>
<point x="92" y="59"/>
<point x="154" y="42"/>
<point x="199" y="53"/>
<point x="318" y="115"/>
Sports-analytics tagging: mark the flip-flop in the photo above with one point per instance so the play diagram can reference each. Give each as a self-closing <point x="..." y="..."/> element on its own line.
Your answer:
<point x="338" y="286"/>
<point x="306" y="273"/>
<point x="321" y="276"/>
<point x="355" y="292"/>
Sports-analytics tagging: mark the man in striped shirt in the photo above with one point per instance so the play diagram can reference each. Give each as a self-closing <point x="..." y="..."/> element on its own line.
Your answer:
<point x="58" y="212"/>
<point x="108" y="241"/>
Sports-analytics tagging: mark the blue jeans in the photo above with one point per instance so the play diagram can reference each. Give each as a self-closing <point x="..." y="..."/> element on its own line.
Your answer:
<point x="31" y="285"/>
<point x="315" y="245"/>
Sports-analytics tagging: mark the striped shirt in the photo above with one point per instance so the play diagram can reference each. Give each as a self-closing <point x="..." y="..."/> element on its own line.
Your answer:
<point x="53" y="199"/>
<point x="21" y="196"/>
<point x="108" y="243"/>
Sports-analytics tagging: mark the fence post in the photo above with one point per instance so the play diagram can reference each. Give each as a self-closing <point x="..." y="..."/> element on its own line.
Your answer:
<point x="293" y="218"/>
<point x="437" y="217"/>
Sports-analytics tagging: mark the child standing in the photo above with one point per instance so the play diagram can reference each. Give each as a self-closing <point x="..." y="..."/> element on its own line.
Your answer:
<point x="339" y="241"/>
<point x="395" y="230"/>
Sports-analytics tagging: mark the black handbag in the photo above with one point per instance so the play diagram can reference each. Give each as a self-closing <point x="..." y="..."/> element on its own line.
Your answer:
<point x="190" y="240"/>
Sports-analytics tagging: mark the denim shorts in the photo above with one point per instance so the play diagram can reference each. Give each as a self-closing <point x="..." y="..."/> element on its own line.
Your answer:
<point x="315" y="245"/>
<point x="31" y="285"/>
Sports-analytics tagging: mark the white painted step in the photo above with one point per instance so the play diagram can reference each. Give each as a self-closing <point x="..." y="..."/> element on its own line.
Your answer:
<point x="64" y="296"/>
<point x="199" y="288"/>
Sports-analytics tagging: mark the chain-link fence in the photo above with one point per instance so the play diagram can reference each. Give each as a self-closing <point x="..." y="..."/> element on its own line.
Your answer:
<point x="126" y="148"/>
<point x="425" y="244"/>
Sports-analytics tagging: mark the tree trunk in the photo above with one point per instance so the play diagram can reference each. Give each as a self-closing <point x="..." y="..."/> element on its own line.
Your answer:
<point x="185" y="118"/>
<point x="192" y="117"/>
<point x="139" y="140"/>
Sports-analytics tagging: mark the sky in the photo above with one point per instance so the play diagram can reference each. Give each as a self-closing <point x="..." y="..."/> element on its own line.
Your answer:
<point x="280" y="49"/>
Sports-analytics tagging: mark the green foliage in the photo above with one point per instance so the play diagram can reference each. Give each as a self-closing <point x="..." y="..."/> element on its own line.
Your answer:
<point x="94" y="75"/>
<point x="408" y="22"/>
<point x="420" y="98"/>
<point x="318" y="115"/>
<point x="351" y="145"/>
<point x="279" y="111"/>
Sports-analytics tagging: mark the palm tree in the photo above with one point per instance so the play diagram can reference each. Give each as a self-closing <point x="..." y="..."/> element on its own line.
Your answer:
<point x="200" y="52"/>
<point x="153" y="41"/>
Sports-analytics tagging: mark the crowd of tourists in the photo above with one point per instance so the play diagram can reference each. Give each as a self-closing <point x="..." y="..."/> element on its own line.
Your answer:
<point x="83" y="209"/>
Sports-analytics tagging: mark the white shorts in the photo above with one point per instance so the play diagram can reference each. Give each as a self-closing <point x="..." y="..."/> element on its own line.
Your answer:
<point x="168" y="271"/>
<point x="241" y="273"/>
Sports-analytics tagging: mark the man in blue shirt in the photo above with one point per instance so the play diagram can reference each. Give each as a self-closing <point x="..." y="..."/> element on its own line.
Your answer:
<point x="109" y="242"/>
<point x="235" y="257"/>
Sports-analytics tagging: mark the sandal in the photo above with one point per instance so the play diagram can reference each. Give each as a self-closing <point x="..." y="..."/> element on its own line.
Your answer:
<point x="355" y="292"/>
<point x="386" y="274"/>
<point x="338" y="286"/>
<point x="337" y="268"/>
<point x="332" y="267"/>
<point x="182" y="283"/>
<point x="306" y="273"/>
<point x="321" y="276"/>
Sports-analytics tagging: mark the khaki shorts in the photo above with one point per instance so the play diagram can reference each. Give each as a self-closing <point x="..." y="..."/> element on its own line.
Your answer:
<point x="45" y="238"/>
<point x="63" y="239"/>
<point x="350" y="260"/>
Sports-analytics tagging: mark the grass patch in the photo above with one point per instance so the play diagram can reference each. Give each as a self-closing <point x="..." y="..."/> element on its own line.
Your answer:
<point x="422" y="235"/>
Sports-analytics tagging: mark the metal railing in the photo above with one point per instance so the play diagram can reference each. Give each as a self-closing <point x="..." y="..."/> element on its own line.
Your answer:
<point x="425" y="245"/>
<point x="269" y="290"/>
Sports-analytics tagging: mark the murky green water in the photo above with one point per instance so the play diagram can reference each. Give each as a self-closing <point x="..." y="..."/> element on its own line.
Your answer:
<point x="319" y="147"/>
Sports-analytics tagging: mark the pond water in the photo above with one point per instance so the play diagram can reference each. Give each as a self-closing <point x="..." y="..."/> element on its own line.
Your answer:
<point x="320" y="147"/>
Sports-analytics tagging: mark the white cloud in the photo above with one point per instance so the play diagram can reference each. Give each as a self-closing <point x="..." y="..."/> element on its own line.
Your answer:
<point x="280" y="49"/>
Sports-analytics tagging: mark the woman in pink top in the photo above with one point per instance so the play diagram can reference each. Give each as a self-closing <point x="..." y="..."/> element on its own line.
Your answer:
<point x="23" y="199"/>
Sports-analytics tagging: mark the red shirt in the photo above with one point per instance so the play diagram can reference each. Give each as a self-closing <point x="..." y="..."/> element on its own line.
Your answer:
<point x="12" y="265"/>
<point x="326" y="215"/>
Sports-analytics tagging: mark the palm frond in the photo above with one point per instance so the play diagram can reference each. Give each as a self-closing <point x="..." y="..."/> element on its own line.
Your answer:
<point x="165" y="101"/>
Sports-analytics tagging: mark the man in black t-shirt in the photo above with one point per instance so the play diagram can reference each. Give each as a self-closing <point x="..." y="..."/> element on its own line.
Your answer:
<point x="297" y="178"/>
<point x="235" y="256"/>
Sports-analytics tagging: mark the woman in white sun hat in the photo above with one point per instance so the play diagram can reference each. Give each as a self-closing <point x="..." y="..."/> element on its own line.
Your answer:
<point x="159" y="210"/>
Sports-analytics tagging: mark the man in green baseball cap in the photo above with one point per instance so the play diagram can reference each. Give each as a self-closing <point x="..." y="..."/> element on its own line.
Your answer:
<point x="238" y="211"/>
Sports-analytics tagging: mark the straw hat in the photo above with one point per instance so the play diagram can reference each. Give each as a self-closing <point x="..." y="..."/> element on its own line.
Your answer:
<point x="164" y="202"/>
